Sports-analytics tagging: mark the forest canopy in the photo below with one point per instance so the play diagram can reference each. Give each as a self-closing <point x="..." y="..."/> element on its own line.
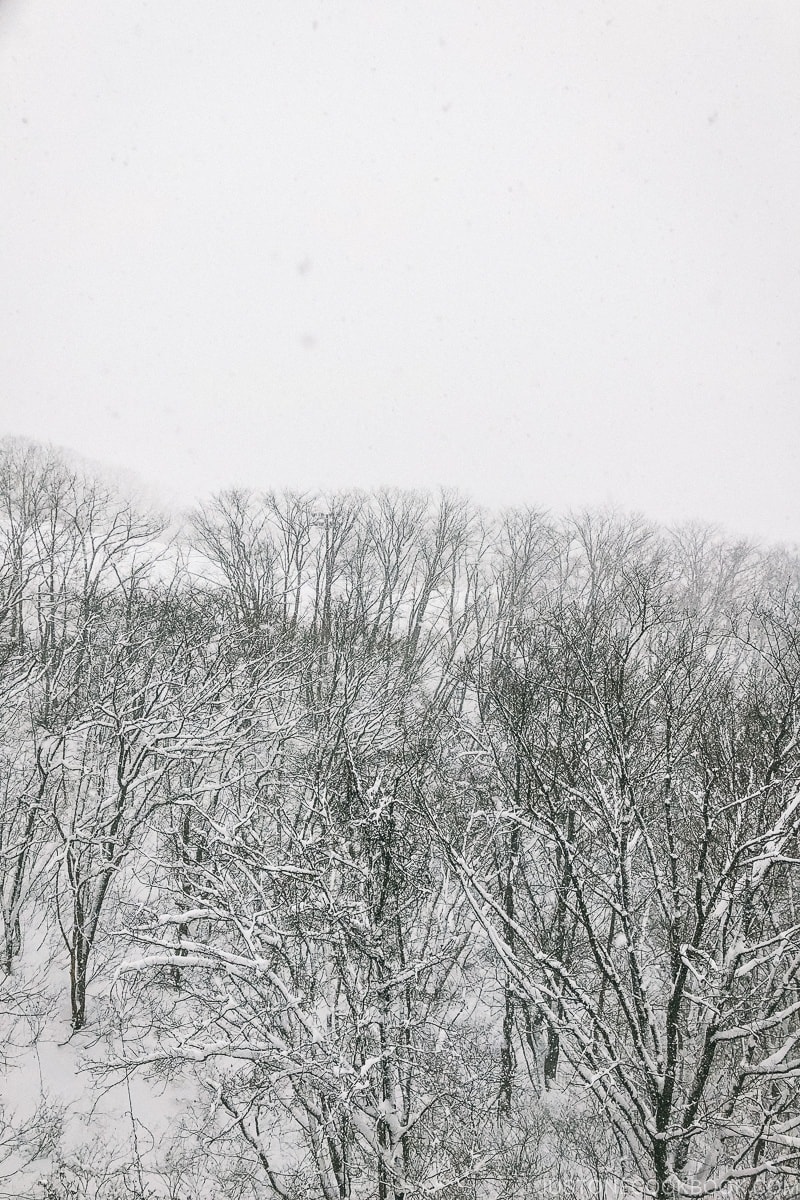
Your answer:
<point x="394" y="848"/>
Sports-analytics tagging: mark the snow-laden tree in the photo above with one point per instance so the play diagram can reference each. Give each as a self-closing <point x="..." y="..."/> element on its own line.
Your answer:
<point x="643" y="765"/>
<point x="324" y="994"/>
<point x="156" y="693"/>
<point x="24" y="848"/>
<point x="68" y="544"/>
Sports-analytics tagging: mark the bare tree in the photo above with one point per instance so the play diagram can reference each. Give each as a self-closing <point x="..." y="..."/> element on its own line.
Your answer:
<point x="655" y="929"/>
<point x="324" y="953"/>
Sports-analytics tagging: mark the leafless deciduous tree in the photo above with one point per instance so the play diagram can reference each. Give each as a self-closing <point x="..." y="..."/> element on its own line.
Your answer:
<point x="643" y="777"/>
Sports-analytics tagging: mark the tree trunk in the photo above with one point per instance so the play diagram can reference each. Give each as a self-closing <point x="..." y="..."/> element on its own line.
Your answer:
<point x="78" y="973"/>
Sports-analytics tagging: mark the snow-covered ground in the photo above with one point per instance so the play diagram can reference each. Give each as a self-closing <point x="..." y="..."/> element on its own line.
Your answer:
<point x="72" y="1125"/>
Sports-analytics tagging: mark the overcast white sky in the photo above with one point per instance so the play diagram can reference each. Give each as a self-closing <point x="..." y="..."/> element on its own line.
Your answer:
<point x="544" y="251"/>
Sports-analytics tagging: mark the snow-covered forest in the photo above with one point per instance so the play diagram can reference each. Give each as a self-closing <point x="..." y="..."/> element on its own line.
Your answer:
<point x="376" y="846"/>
